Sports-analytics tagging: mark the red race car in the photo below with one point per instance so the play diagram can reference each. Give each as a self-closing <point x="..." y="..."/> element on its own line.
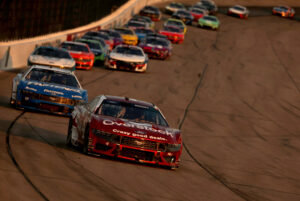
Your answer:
<point x="125" y="128"/>
<point x="198" y="13"/>
<point x="174" y="34"/>
<point x="156" y="47"/>
<point x="81" y="53"/>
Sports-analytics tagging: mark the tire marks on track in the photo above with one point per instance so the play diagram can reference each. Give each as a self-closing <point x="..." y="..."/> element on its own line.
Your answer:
<point x="204" y="167"/>
<point x="11" y="155"/>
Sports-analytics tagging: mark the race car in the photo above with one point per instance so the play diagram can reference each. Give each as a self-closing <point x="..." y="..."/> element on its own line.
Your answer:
<point x="173" y="33"/>
<point x="198" y="13"/>
<point x="283" y="11"/>
<point x="125" y="128"/>
<point x="128" y="35"/>
<point x="210" y="6"/>
<point x="135" y="24"/>
<point x="114" y="36"/>
<point x="152" y="12"/>
<point x="97" y="48"/>
<point x="142" y="33"/>
<point x="176" y="22"/>
<point x="209" y="21"/>
<point x="51" y="56"/>
<point x="127" y="57"/>
<point x="145" y="19"/>
<point x="47" y="89"/>
<point x="239" y="11"/>
<point x="102" y="35"/>
<point x="156" y="47"/>
<point x="184" y="16"/>
<point x="81" y="53"/>
<point x="173" y="7"/>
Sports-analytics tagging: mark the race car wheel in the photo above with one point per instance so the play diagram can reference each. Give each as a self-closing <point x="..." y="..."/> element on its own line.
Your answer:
<point x="69" y="136"/>
<point x="86" y="140"/>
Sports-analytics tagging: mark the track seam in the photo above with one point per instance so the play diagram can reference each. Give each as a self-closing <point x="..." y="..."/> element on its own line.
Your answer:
<point x="235" y="191"/>
<point x="11" y="155"/>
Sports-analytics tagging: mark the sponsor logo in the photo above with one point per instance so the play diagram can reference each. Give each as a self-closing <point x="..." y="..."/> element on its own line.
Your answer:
<point x="138" y="126"/>
<point x="53" y="92"/>
<point x="138" y="135"/>
<point x="54" y="86"/>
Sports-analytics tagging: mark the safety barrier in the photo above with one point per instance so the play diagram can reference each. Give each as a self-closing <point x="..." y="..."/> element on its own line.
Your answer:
<point x="14" y="54"/>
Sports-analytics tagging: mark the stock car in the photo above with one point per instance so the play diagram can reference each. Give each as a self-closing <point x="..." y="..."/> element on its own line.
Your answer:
<point x="145" y="19"/>
<point x="210" y="6"/>
<point x="239" y="11"/>
<point x="142" y="33"/>
<point x="209" y="21"/>
<point x="81" y="53"/>
<point x="47" y="89"/>
<point x="125" y="128"/>
<point x="97" y="48"/>
<point x="127" y="57"/>
<point x="173" y="33"/>
<point x="102" y="35"/>
<point x="173" y="7"/>
<point x="283" y="11"/>
<point x="51" y="56"/>
<point x="156" y="47"/>
<point x="152" y="12"/>
<point x="128" y="35"/>
<point x="114" y="36"/>
<point x="135" y="24"/>
<point x="198" y="13"/>
<point x="184" y="16"/>
<point x="176" y="22"/>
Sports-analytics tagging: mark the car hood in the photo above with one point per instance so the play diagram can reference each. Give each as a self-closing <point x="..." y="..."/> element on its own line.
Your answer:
<point x="133" y="129"/>
<point x="127" y="57"/>
<point x="53" y="89"/>
<point x="80" y="54"/>
<point x="51" y="61"/>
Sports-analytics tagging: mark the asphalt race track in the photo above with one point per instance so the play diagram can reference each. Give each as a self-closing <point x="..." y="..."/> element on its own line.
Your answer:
<point x="235" y="94"/>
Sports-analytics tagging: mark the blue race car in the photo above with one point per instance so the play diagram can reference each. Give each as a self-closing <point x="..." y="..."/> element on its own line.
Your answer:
<point x="47" y="89"/>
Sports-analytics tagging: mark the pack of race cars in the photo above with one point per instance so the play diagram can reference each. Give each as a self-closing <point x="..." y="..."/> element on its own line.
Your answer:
<point x="109" y="125"/>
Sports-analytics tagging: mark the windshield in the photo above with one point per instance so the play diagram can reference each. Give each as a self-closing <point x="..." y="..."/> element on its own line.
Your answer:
<point x="51" y="52"/>
<point x="53" y="77"/>
<point x="172" y="29"/>
<point x="176" y="23"/>
<point x="92" y="45"/>
<point x="132" y="112"/>
<point x="156" y="42"/>
<point x="74" y="47"/>
<point x="238" y="8"/>
<point x="210" y="18"/>
<point x="129" y="50"/>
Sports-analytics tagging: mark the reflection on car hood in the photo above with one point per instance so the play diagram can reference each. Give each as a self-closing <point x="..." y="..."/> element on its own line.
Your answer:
<point x="127" y="57"/>
<point x="51" y="61"/>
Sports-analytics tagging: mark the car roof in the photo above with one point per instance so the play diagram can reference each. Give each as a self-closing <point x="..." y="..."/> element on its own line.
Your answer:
<point x="129" y="100"/>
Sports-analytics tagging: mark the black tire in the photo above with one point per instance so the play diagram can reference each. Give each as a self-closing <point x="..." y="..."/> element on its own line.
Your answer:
<point x="86" y="140"/>
<point x="69" y="136"/>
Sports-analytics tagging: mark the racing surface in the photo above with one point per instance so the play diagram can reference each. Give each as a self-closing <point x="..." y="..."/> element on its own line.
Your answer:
<point x="234" y="93"/>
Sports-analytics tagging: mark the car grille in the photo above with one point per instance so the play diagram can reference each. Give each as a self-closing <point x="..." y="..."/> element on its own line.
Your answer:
<point x="82" y="60"/>
<point x="138" y="154"/>
<point x="53" y="99"/>
<point x="129" y="141"/>
<point x="127" y="65"/>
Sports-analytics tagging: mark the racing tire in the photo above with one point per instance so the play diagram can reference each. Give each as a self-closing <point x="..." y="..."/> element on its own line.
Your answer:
<point x="69" y="136"/>
<point x="86" y="140"/>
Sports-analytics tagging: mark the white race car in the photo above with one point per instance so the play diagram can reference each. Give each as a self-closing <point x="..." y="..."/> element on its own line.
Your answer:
<point x="51" y="56"/>
<point x="239" y="11"/>
<point x="127" y="57"/>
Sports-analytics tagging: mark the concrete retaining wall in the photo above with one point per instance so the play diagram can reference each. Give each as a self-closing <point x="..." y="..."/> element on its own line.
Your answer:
<point x="14" y="54"/>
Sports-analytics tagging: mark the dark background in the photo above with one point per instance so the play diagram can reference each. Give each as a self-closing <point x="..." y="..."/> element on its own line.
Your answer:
<point x="28" y="18"/>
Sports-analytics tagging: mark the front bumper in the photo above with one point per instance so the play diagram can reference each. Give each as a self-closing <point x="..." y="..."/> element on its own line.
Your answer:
<point x="134" y="149"/>
<point x="123" y="65"/>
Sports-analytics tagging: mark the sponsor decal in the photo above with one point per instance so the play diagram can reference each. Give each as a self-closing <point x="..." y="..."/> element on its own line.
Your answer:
<point x="53" y="92"/>
<point x="75" y="96"/>
<point x="29" y="88"/>
<point x="54" y="86"/>
<point x="139" y="135"/>
<point x="138" y="126"/>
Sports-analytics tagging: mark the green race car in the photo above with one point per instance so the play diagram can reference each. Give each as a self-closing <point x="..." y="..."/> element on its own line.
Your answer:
<point x="209" y="21"/>
<point x="99" y="49"/>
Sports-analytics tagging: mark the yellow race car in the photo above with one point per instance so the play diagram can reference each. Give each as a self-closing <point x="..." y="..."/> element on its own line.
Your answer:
<point x="128" y="35"/>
